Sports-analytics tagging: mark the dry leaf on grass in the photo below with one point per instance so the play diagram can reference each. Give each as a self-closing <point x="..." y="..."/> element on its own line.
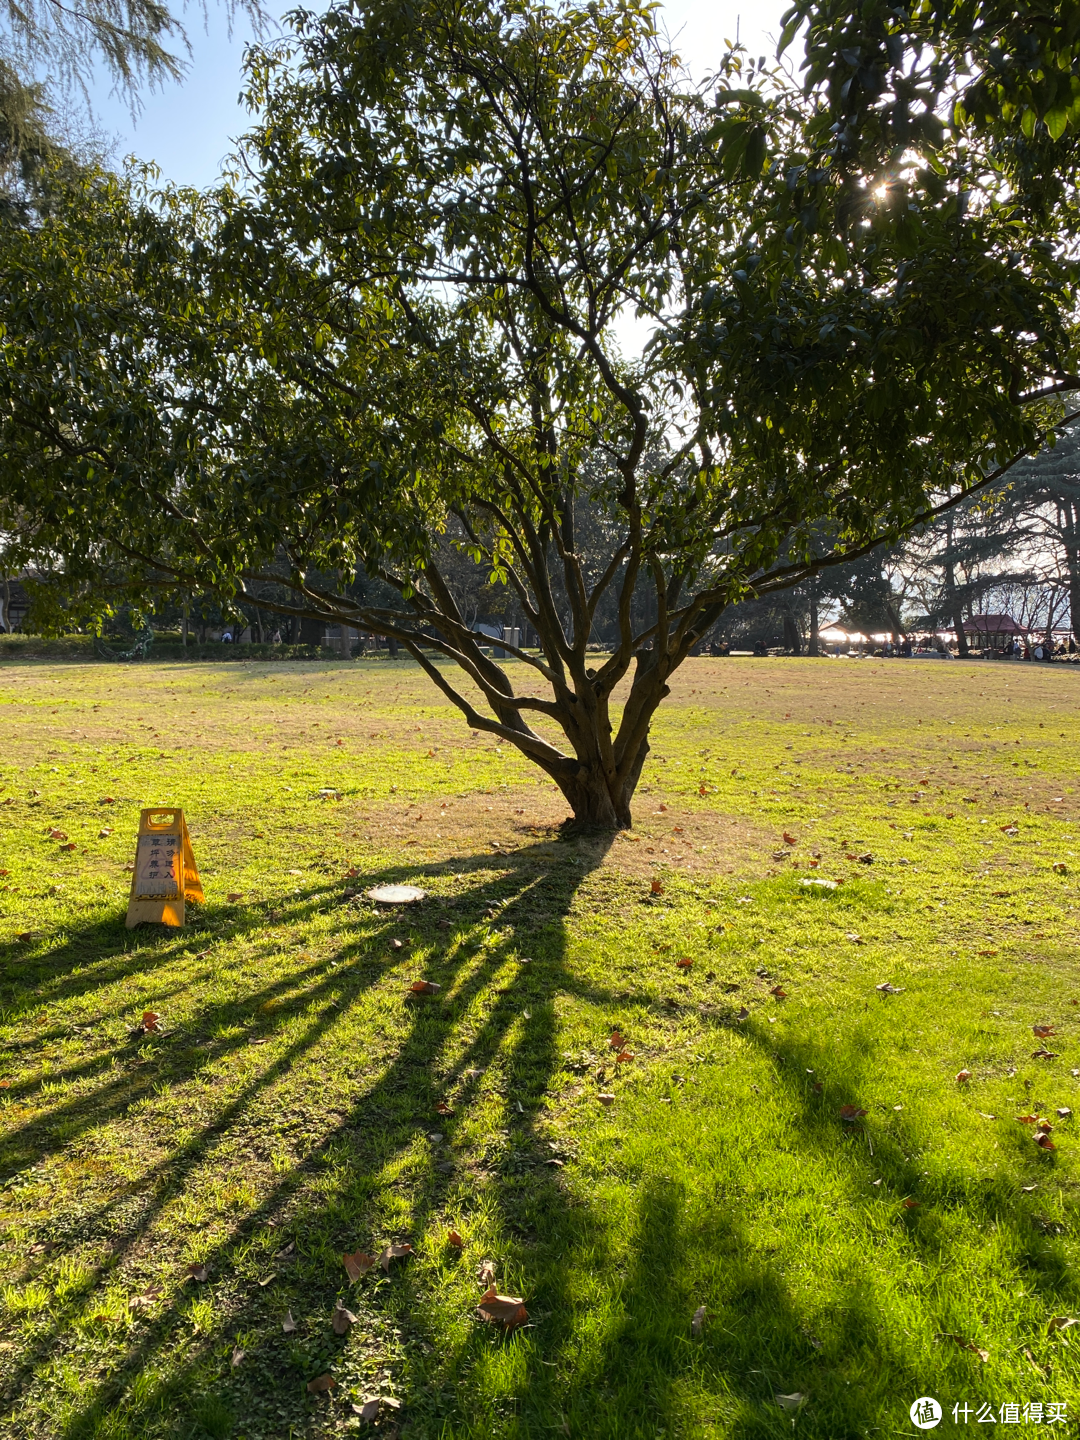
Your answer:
<point x="368" y="1410"/>
<point x="424" y="987"/>
<point x="1042" y="1031"/>
<point x="506" y="1310"/>
<point x="394" y="1252"/>
<point x="790" y="839"/>
<point x="358" y="1264"/>
<point x="623" y="1056"/>
<point x="606" y="1098"/>
<point x="58" y="835"/>
<point x="144" y="1301"/>
<point x="150" y="1022"/>
<point x="851" y="1112"/>
<point x="454" y="1239"/>
<point x="983" y="1355"/>
<point x="1044" y="1054"/>
<point x="1042" y="1139"/>
<point x="1063" y="1112"/>
<point x="197" y="1272"/>
<point x="237" y="1356"/>
<point x="342" y="1319"/>
<point x="791" y="1403"/>
<point x="779" y="992"/>
<point x="288" y="1324"/>
<point x="442" y="1108"/>
<point x="1061" y="1322"/>
<point x="963" y="1076"/>
<point x="486" y="1273"/>
<point x="616" y="1041"/>
<point x="697" y="1322"/>
<point x="320" y="1384"/>
<point x="886" y="988"/>
<point x="684" y="963"/>
<point x="910" y="1204"/>
<point x="397" y="944"/>
<point x="657" y="887"/>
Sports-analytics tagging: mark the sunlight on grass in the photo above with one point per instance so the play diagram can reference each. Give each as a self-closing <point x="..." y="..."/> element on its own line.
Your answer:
<point x="786" y="1144"/>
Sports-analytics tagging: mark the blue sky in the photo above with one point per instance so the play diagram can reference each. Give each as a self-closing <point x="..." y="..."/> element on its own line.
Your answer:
<point x="188" y="128"/>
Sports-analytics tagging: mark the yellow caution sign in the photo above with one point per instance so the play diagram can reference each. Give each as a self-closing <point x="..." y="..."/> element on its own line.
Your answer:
<point x="165" y="871"/>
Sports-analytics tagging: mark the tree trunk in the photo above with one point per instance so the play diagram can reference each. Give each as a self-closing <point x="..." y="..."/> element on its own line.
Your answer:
<point x="791" y="634"/>
<point x="813" y="647"/>
<point x="1071" y="529"/>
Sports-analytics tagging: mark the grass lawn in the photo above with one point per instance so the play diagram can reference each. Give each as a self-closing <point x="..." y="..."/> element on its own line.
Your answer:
<point x="301" y="1103"/>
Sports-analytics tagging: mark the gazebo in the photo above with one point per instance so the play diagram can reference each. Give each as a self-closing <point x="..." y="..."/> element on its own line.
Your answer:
<point x="993" y="632"/>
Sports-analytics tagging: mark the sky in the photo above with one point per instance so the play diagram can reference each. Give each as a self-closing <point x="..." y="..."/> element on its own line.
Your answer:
<point x="188" y="128"/>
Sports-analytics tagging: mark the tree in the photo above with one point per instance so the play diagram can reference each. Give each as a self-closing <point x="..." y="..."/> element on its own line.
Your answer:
<point x="1040" y="510"/>
<point x="403" y="325"/>
<point x="135" y="41"/>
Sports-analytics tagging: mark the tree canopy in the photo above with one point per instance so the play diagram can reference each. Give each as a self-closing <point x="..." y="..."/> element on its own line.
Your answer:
<point x="401" y="332"/>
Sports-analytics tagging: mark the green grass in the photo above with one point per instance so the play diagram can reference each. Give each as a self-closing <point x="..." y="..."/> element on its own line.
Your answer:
<point x="286" y="1114"/>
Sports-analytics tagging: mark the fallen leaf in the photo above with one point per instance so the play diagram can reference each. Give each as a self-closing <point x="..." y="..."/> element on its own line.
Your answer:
<point x="369" y="1410"/>
<point x="1044" y="1054"/>
<point x="442" y="1108"/>
<point x="58" y="835"/>
<point x="1061" y="1322"/>
<point x="1060" y="868"/>
<point x="144" y="1301"/>
<point x="887" y="988"/>
<point x="288" y="1324"/>
<point x="866" y="858"/>
<point x="1027" y="1189"/>
<point x="358" y="1264"/>
<point x="1063" y="1112"/>
<point x="486" y="1273"/>
<point x="394" y="1252"/>
<point x="70" y="846"/>
<point x="424" y="987"/>
<point x="342" y="1319"/>
<point x="104" y="833"/>
<point x="506" y="1310"/>
<point x="779" y="992"/>
<point x="285" y="1250"/>
<point x="657" y="887"/>
<point x="910" y="1204"/>
<point x="1042" y="1139"/>
<point x="321" y="1383"/>
<point x="685" y="963"/>
<point x="455" y="1240"/>
<point x="854" y="937"/>
<point x="623" y="1056"/>
<point x="616" y="1042"/>
<point x="697" y="1322"/>
<point x="963" y="1076"/>
<point x="790" y="839"/>
<point x="237" y="1356"/>
<point x="197" y="1272"/>
<point x="970" y="1345"/>
<point x="790" y="1402"/>
<point x="234" y="895"/>
<point x="397" y="944"/>
<point x="744" y="1013"/>
<point x="606" y="1098"/>
<point x="987" y="952"/>
<point x="150" y="1022"/>
<point x="1042" y="1031"/>
<point x="851" y="1112"/>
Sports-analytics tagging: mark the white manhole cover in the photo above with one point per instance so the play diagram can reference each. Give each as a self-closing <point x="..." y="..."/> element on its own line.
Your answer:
<point x="395" y="894"/>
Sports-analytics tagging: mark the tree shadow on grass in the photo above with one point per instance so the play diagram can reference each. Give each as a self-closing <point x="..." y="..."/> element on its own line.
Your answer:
<point x="609" y="1351"/>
